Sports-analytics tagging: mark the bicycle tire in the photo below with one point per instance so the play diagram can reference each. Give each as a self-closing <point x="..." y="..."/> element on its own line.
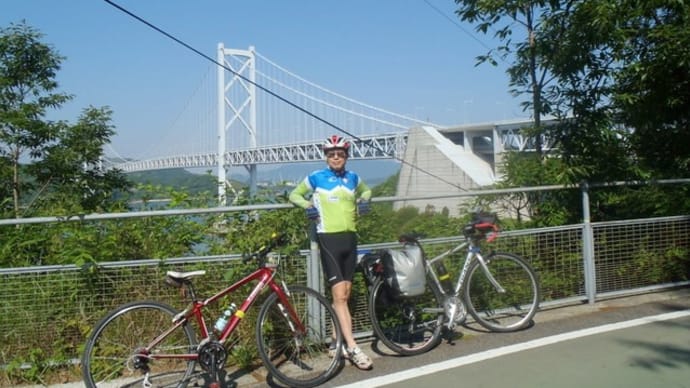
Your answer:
<point x="502" y="312"/>
<point x="299" y="360"/>
<point x="409" y="325"/>
<point x="110" y="355"/>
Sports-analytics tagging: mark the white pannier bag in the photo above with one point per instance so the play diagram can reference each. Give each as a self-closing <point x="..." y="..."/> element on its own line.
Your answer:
<point x="404" y="271"/>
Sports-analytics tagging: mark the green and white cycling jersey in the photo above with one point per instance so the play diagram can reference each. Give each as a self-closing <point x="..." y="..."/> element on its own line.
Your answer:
<point x="335" y="196"/>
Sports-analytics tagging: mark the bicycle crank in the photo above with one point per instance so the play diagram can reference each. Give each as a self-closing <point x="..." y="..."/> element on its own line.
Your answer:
<point x="455" y="311"/>
<point x="212" y="356"/>
<point x="410" y="314"/>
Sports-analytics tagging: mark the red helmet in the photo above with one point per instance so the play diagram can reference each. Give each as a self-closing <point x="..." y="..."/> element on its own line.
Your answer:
<point x="336" y="142"/>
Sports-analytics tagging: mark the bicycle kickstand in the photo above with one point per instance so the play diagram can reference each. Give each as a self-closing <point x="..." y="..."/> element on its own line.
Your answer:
<point x="146" y="383"/>
<point x="215" y="373"/>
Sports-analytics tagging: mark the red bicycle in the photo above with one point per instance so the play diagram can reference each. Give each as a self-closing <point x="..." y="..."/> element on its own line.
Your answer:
<point x="150" y="344"/>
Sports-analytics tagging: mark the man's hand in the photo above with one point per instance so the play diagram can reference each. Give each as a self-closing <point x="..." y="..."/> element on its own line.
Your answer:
<point x="312" y="213"/>
<point x="363" y="207"/>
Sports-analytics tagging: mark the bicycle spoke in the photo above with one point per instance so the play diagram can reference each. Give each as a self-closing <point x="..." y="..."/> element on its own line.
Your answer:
<point x="503" y="311"/>
<point x="407" y="326"/>
<point x="295" y="358"/>
<point x="114" y="354"/>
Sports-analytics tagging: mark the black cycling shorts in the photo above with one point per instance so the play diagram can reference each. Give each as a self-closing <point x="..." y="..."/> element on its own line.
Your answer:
<point x="338" y="255"/>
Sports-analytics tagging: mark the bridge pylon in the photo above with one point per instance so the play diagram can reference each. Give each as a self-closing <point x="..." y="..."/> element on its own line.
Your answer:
<point x="241" y="65"/>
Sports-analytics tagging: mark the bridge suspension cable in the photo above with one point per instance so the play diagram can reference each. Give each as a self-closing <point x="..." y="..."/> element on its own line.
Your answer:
<point x="409" y="120"/>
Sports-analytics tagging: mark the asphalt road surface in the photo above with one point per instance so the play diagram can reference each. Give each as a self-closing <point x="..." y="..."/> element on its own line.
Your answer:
<point x="640" y="341"/>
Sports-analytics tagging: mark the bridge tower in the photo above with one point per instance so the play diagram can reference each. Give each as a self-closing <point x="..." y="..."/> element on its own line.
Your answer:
<point x="242" y="112"/>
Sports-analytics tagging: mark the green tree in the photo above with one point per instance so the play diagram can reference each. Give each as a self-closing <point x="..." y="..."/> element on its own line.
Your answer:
<point x="27" y="90"/>
<point x="583" y="44"/>
<point x="617" y="75"/>
<point x="53" y="167"/>
<point x="528" y="72"/>
<point x="544" y="208"/>
<point x="72" y="166"/>
<point x="652" y="90"/>
<point x="622" y="71"/>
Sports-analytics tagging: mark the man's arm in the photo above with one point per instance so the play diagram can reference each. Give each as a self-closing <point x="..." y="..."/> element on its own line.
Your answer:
<point x="298" y="195"/>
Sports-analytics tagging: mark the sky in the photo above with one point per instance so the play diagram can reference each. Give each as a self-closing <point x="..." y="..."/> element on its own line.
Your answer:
<point x="413" y="57"/>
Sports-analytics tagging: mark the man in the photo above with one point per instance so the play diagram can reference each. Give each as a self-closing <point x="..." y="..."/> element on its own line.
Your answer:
<point x="337" y="195"/>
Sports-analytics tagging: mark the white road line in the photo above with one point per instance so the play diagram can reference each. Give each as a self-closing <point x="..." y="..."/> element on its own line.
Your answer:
<point x="493" y="353"/>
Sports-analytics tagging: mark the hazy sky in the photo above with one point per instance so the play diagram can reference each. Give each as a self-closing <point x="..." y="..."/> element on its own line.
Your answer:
<point x="413" y="57"/>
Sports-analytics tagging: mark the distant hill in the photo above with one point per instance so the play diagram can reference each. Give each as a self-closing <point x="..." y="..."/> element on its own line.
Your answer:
<point x="179" y="179"/>
<point x="372" y="172"/>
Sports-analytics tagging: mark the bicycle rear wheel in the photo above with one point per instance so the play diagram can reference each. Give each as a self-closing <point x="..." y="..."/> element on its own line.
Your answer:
<point x="114" y="355"/>
<point x="407" y="326"/>
<point x="502" y="311"/>
<point x="294" y="358"/>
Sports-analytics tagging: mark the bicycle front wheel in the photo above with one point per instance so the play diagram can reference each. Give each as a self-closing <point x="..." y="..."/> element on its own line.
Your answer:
<point x="409" y="325"/>
<point x="115" y="354"/>
<point x="510" y="307"/>
<point x="294" y="357"/>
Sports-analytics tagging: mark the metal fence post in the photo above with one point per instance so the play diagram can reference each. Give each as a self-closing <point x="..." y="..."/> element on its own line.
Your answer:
<point x="588" y="246"/>
<point x="314" y="280"/>
<point x="314" y="275"/>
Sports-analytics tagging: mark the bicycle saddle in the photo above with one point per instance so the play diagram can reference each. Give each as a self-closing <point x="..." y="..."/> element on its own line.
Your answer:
<point x="177" y="279"/>
<point x="411" y="237"/>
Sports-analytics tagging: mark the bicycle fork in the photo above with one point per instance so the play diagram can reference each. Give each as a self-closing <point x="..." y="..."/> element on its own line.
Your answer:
<point x="286" y="315"/>
<point x="454" y="307"/>
<point x="488" y="274"/>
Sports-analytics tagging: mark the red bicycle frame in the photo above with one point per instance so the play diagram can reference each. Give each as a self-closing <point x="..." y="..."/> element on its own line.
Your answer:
<point x="264" y="276"/>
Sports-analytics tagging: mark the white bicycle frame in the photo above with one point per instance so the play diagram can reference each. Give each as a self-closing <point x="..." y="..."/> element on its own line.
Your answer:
<point x="473" y="253"/>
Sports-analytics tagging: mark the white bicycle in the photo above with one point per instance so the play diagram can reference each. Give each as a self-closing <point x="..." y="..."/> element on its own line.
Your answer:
<point x="500" y="291"/>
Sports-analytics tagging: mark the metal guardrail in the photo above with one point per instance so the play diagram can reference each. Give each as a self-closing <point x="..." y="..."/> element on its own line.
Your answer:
<point x="583" y="262"/>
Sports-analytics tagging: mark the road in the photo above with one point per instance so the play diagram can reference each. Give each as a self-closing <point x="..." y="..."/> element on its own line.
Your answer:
<point x="646" y="352"/>
<point x="640" y="341"/>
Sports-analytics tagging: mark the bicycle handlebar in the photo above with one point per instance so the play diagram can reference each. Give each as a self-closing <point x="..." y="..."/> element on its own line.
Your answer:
<point x="276" y="239"/>
<point x="488" y="230"/>
<point x="482" y="225"/>
<point x="479" y="229"/>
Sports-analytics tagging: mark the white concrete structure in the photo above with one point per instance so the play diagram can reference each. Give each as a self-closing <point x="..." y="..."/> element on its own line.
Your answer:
<point x="454" y="160"/>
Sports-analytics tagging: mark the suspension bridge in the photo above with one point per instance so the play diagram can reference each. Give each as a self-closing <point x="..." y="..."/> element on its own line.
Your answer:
<point x="250" y="111"/>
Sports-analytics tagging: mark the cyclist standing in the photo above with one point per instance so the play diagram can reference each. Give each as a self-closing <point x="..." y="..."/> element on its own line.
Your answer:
<point x="337" y="196"/>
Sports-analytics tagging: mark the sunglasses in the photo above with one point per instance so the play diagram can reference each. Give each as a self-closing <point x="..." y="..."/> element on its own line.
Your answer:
<point x="339" y="154"/>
